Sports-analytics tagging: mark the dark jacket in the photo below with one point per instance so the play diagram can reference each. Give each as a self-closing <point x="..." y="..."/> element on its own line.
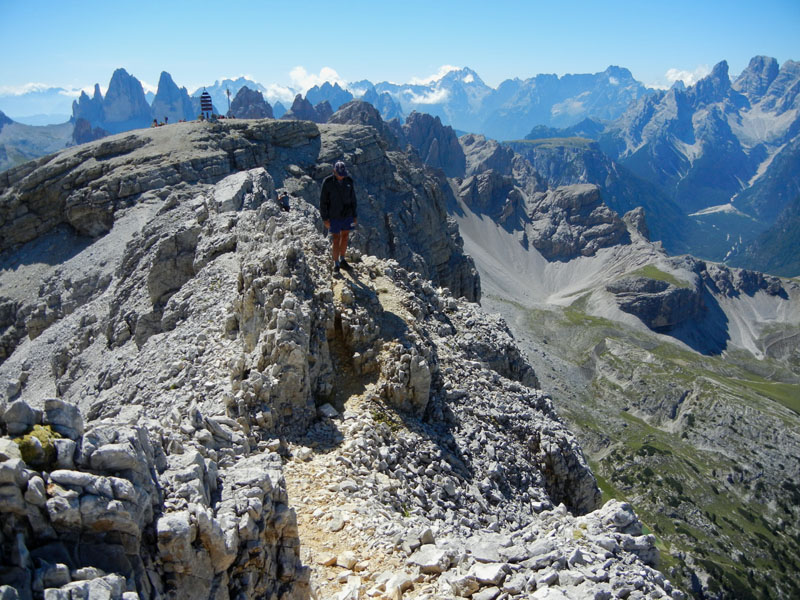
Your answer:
<point x="338" y="198"/>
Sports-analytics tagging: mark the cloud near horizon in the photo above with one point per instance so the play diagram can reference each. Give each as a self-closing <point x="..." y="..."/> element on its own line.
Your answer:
<point x="303" y="80"/>
<point x="28" y="88"/>
<point x="443" y="70"/>
<point x="280" y="93"/>
<point x="432" y="97"/>
<point x="688" y="77"/>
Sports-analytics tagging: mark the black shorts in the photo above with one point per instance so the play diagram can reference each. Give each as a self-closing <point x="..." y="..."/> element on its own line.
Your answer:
<point x="339" y="225"/>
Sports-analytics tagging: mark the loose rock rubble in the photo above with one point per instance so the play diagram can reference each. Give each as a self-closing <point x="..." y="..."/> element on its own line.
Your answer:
<point x="220" y="416"/>
<point x="111" y="508"/>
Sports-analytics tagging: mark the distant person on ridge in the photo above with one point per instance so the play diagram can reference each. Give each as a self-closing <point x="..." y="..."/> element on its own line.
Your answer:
<point x="337" y="206"/>
<point x="283" y="201"/>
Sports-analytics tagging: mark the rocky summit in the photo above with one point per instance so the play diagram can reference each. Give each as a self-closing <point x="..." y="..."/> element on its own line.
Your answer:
<point x="194" y="406"/>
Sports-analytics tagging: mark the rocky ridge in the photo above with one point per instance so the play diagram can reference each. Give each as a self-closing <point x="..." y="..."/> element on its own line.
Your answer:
<point x="182" y="370"/>
<point x="125" y="106"/>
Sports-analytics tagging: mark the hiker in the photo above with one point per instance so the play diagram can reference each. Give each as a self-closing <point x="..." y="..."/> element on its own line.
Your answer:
<point x="283" y="201"/>
<point x="337" y="206"/>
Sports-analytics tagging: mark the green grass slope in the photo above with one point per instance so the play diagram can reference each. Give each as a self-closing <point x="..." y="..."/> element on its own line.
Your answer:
<point x="706" y="449"/>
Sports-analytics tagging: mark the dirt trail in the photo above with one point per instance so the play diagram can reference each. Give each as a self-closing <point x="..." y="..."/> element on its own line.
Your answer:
<point x="334" y="533"/>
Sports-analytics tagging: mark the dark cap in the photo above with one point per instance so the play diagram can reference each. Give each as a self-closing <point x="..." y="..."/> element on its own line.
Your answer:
<point x="340" y="169"/>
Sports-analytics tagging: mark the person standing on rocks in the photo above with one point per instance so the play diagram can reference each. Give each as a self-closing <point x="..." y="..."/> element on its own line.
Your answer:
<point x="283" y="201"/>
<point x="338" y="208"/>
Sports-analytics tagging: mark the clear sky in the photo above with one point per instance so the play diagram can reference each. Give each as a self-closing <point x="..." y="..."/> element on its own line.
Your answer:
<point x="75" y="44"/>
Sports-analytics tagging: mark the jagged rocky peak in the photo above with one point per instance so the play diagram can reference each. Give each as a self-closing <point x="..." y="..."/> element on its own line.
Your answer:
<point x="250" y="104"/>
<point x="754" y="81"/>
<point x="90" y="109"/>
<point x="358" y="112"/>
<point x="618" y="75"/>
<point x="171" y="103"/>
<point x="465" y="75"/>
<point x="324" y="111"/>
<point x="302" y="110"/>
<point x="334" y="94"/>
<point x="385" y="104"/>
<point x="124" y="106"/>
<point x="714" y="87"/>
<point x="784" y="92"/>
<point x="435" y="143"/>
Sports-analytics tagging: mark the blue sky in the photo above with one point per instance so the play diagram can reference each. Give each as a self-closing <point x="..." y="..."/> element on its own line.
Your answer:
<point x="74" y="44"/>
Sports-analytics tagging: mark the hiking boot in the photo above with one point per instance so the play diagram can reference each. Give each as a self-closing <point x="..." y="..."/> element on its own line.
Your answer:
<point x="336" y="268"/>
<point x="344" y="264"/>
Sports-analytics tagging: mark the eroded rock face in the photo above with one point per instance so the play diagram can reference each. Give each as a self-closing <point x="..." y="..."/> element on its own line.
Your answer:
<point x="496" y="196"/>
<point x="660" y="305"/>
<point x="435" y="143"/>
<point x="572" y="221"/>
<point x="663" y="305"/>
<point x="118" y="482"/>
<point x="84" y="132"/>
<point x="483" y="154"/>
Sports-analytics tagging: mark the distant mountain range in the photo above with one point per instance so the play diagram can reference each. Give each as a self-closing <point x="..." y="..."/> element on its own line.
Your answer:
<point x="39" y="106"/>
<point x="714" y="165"/>
<point x="460" y="98"/>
